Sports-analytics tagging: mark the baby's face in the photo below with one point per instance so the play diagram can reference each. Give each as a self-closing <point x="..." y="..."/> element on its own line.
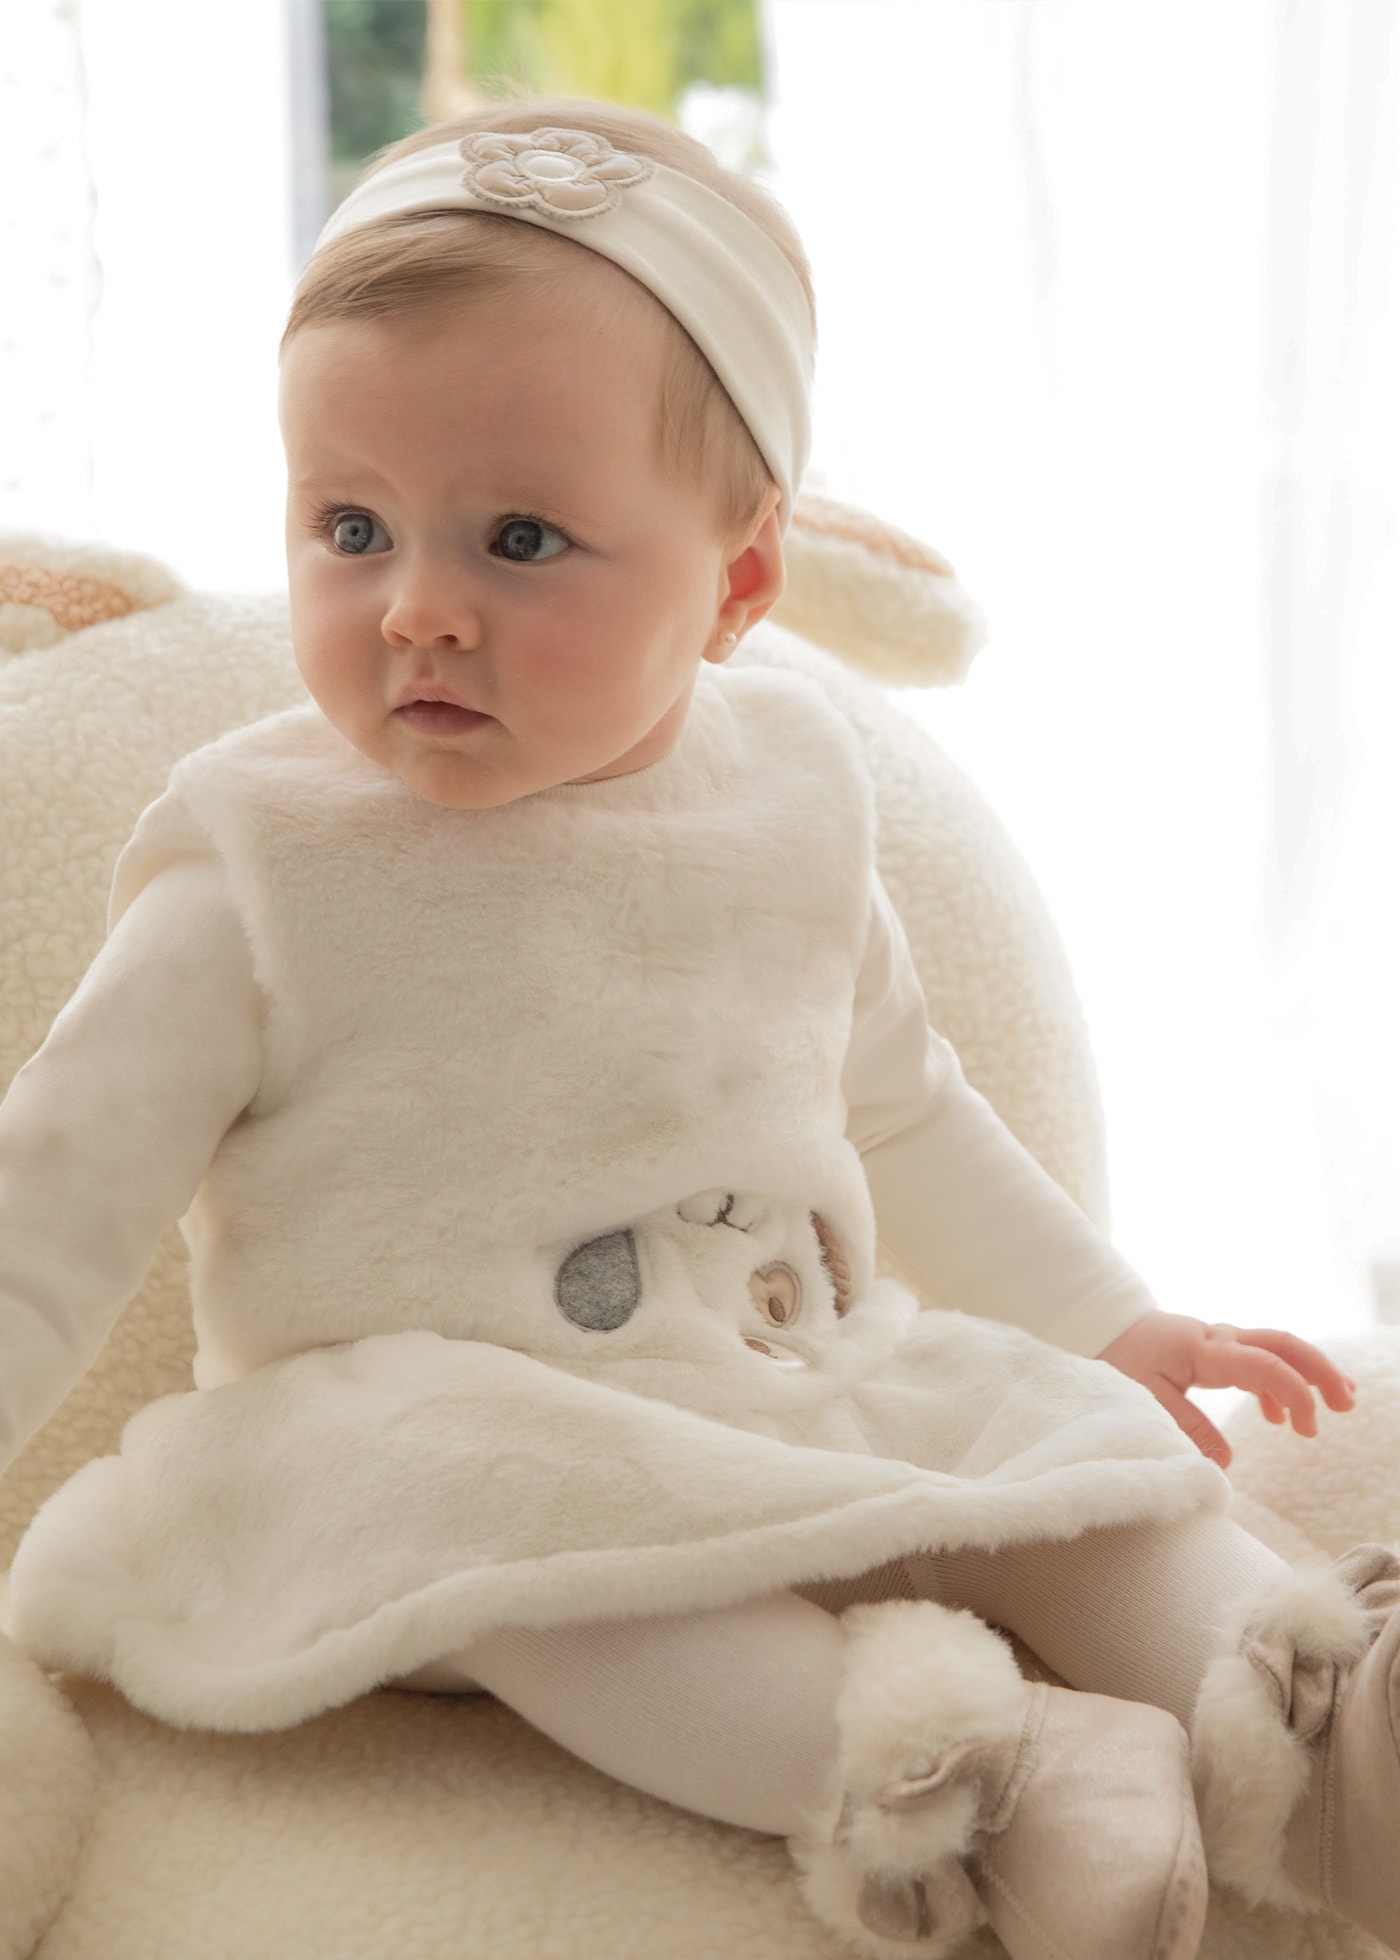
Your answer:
<point x="496" y="584"/>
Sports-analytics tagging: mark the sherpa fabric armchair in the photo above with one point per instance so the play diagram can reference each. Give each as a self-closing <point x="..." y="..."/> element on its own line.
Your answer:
<point x="409" y="1827"/>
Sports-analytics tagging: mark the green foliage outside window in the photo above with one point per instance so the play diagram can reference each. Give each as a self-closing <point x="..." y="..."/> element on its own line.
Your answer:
<point x="642" y="52"/>
<point x="374" y="61"/>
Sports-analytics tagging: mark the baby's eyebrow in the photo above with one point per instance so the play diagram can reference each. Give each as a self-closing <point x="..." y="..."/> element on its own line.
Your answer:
<point x="326" y="494"/>
<point x="338" y="469"/>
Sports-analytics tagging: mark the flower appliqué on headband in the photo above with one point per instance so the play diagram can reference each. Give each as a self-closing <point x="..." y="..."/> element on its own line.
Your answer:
<point x="565" y="173"/>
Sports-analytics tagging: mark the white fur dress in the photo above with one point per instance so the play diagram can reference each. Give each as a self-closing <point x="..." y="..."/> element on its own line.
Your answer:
<point x="534" y="1272"/>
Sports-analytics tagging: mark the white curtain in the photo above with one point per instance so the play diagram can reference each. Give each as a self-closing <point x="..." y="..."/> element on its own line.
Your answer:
<point x="1111" y="310"/>
<point x="51" y="282"/>
<point x="145" y="208"/>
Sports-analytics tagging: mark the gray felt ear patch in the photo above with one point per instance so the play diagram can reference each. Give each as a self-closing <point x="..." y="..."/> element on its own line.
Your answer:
<point x="599" y="1284"/>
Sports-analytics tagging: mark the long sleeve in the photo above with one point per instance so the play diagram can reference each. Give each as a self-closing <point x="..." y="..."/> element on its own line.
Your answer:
<point x="963" y="1208"/>
<point x="107" y="1131"/>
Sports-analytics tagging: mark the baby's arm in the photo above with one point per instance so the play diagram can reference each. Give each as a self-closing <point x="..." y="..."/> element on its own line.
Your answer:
<point x="977" y="1224"/>
<point x="107" y="1131"/>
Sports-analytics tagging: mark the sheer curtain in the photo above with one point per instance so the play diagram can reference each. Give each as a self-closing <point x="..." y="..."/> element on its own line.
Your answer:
<point x="146" y="213"/>
<point x="52" y="281"/>
<point x="1110" y="315"/>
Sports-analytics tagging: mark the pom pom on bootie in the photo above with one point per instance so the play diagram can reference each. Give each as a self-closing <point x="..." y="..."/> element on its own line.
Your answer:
<point x="969" y="1796"/>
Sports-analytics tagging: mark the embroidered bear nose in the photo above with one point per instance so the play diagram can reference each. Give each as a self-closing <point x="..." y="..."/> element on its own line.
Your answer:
<point x="776" y="1292"/>
<point x="598" y="1285"/>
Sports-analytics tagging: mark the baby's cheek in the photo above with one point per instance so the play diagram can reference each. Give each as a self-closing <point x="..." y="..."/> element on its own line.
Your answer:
<point x="564" y="676"/>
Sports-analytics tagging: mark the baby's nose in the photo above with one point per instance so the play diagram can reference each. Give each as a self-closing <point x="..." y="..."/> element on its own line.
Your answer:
<point x="433" y="607"/>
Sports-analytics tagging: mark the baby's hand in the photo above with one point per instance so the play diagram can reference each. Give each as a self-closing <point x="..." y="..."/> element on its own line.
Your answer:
<point x="1169" y="1353"/>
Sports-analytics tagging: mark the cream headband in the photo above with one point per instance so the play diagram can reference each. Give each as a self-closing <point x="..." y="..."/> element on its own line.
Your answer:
<point x="724" y="279"/>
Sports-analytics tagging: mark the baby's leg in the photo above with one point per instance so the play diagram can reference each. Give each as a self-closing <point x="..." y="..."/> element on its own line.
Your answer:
<point x="781" y="1717"/>
<point x="730" y="1713"/>
<point x="1138" y="1612"/>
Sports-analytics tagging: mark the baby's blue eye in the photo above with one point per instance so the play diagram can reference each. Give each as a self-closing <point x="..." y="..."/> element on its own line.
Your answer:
<point x="528" y="540"/>
<point x="354" y="533"/>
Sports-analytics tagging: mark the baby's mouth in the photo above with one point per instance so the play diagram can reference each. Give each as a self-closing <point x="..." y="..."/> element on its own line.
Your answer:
<point x="439" y="717"/>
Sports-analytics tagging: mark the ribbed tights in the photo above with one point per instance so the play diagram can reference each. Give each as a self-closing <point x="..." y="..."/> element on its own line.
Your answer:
<point x="729" y="1713"/>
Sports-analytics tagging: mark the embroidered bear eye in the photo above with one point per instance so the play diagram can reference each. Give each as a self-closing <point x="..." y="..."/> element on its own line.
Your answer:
<point x="777" y="1293"/>
<point x="708" y="1208"/>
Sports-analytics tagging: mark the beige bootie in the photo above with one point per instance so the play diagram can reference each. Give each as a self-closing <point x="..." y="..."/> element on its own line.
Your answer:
<point x="969" y="1796"/>
<point x="1296" y="1747"/>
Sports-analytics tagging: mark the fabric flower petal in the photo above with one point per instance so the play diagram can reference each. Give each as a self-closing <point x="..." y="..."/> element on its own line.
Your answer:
<point x="493" y="148"/>
<point x="502" y="181"/>
<point x="581" y="143"/>
<point x="620" y="168"/>
<point x="576" y="197"/>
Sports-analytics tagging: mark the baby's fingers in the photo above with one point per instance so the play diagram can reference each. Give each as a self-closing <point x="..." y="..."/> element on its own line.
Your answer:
<point x="1197" y="1425"/>
<point x="1337" y="1389"/>
<point x="1233" y="1362"/>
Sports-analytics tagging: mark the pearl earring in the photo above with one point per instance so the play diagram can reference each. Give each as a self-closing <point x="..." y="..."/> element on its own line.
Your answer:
<point x="730" y="640"/>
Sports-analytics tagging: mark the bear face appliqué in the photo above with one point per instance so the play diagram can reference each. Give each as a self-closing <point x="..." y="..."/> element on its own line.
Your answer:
<point x="726" y="1243"/>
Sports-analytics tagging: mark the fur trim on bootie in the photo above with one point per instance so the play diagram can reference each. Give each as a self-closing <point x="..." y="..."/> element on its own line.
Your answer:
<point x="925" y="1689"/>
<point x="1260" y="1708"/>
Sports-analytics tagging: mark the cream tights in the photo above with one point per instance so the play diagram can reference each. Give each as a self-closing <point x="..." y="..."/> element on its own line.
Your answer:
<point x="729" y="1713"/>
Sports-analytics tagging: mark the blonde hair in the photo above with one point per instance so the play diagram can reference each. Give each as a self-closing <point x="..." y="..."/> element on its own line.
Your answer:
<point x="421" y="258"/>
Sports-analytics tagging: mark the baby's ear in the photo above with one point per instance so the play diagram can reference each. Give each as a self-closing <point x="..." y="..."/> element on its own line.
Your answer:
<point x="756" y="577"/>
<point x="50" y="590"/>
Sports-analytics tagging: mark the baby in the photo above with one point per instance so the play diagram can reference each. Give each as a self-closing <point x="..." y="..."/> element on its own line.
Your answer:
<point x="525" y="1039"/>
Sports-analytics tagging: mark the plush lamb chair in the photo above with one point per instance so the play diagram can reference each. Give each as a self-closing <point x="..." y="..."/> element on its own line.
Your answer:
<point x="407" y="1827"/>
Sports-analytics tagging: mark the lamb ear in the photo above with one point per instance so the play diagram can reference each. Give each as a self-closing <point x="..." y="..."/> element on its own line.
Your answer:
<point x="885" y="603"/>
<point x="599" y="1285"/>
<point x="50" y="590"/>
